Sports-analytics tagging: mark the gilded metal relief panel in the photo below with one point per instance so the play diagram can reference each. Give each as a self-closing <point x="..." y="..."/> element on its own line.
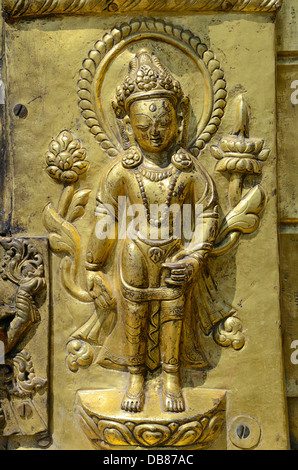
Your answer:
<point x="153" y="178"/>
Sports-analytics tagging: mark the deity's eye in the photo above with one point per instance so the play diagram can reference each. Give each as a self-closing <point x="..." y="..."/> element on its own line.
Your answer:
<point x="143" y="127"/>
<point x="165" y="123"/>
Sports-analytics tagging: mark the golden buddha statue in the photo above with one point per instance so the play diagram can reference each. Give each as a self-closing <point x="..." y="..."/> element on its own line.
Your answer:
<point x="155" y="277"/>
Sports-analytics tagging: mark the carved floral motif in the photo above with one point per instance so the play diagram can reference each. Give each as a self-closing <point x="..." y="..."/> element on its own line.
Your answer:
<point x="66" y="160"/>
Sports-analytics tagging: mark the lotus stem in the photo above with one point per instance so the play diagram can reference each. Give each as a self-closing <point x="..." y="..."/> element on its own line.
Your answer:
<point x="70" y="282"/>
<point x="65" y="200"/>
<point x="226" y="244"/>
<point x="235" y="189"/>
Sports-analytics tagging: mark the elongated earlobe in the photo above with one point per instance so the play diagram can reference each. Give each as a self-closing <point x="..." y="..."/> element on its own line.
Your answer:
<point x="183" y="120"/>
<point x="128" y="131"/>
<point x="127" y="125"/>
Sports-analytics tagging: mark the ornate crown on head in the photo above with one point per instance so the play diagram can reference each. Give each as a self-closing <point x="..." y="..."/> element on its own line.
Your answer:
<point x="147" y="77"/>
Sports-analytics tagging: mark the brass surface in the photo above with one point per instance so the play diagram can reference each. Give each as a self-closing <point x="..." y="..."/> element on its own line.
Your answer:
<point x="154" y="329"/>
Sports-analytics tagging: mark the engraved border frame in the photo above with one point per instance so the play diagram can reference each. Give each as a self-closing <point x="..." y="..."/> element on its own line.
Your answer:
<point x="37" y="8"/>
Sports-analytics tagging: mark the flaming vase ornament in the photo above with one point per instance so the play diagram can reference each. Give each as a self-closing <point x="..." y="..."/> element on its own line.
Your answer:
<point x="240" y="155"/>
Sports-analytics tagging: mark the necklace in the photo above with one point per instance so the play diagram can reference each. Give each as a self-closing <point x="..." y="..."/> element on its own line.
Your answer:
<point x="155" y="175"/>
<point x="158" y="222"/>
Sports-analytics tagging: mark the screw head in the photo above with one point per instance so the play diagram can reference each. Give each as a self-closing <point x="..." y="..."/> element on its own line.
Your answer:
<point x="245" y="432"/>
<point x="24" y="410"/>
<point x="20" y="111"/>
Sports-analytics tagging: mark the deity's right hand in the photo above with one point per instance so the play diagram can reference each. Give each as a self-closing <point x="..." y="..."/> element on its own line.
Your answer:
<point x="99" y="289"/>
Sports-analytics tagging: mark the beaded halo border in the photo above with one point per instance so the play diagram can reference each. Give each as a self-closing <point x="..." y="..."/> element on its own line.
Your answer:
<point x="107" y="49"/>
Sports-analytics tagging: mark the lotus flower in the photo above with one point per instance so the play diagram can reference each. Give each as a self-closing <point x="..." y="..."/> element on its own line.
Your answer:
<point x="238" y="153"/>
<point x="66" y="160"/>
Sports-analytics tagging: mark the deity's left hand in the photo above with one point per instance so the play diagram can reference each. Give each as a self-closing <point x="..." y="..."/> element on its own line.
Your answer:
<point x="182" y="271"/>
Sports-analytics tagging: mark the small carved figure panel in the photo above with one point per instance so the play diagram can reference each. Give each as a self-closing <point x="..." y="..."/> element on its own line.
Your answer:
<point x="24" y="333"/>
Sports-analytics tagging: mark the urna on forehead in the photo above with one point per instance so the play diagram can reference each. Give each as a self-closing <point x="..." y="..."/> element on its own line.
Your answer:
<point x="153" y="106"/>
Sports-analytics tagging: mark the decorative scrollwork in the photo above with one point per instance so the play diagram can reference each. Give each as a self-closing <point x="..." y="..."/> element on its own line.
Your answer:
<point x="79" y="355"/>
<point x="229" y="332"/>
<point x="23" y="382"/>
<point x="90" y="77"/>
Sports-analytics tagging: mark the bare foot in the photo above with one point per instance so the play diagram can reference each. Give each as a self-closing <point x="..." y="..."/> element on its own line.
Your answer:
<point x="172" y="394"/>
<point x="133" y="400"/>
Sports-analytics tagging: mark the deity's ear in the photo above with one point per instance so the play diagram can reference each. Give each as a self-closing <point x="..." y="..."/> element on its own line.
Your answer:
<point x="183" y="113"/>
<point x="128" y="130"/>
<point x="127" y="125"/>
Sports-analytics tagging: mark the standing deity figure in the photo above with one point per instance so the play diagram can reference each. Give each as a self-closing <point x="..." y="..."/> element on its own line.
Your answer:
<point x="159" y="293"/>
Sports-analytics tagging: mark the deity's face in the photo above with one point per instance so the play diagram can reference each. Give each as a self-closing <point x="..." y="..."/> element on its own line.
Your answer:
<point x="154" y="124"/>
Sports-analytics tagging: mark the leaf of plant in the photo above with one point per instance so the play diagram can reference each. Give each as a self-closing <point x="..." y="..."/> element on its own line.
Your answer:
<point x="64" y="236"/>
<point x="77" y="206"/>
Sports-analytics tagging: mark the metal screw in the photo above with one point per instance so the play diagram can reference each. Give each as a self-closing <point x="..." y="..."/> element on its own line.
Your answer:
<point x="20" y="111"/>
<point x="243" y="431"/>
<point x="24" y="410"/>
